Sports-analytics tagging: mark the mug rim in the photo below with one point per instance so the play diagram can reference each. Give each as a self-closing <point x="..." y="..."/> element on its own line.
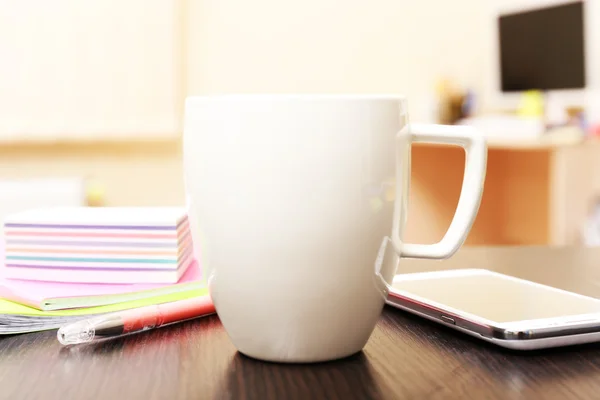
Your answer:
<point x="296" y="96"/>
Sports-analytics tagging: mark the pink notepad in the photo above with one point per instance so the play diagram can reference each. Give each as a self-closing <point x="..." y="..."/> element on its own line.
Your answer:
<point x="57" y="295"/>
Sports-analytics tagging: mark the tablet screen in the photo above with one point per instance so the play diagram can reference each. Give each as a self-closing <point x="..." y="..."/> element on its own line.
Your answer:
<point x="498" y="298"/>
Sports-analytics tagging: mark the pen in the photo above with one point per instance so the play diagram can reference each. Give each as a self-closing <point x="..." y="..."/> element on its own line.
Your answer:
<point x="134" y="320"/>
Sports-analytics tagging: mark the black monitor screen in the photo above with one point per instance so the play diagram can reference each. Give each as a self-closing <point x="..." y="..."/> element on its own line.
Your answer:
<point x="542" y="49"/>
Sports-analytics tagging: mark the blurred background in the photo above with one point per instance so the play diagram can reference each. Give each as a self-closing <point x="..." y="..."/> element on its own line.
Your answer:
<point x="92" y="95"/>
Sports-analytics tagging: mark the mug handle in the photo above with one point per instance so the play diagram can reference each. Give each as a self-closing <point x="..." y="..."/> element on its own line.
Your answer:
<point x="470" y="195"/>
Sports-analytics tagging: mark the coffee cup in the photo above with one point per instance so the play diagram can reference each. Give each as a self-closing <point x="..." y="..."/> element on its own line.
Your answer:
<point x="293" y="197"/>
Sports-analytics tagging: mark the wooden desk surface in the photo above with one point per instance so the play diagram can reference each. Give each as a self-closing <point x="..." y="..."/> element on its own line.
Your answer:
<point x="406" y="357"/>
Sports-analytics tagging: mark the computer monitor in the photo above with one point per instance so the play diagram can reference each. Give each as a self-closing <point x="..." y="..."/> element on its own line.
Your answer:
<point x="542" y="49"/>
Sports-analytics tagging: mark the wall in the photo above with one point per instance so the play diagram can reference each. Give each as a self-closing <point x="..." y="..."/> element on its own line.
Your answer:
<point x="385" y="46"/>
<point x="77" y="84"/>
<point x="90" y="70"/>
<point x="389" y="46"/>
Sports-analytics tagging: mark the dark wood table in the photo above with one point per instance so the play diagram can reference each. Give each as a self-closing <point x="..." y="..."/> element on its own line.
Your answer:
<point x="406" y="357"/>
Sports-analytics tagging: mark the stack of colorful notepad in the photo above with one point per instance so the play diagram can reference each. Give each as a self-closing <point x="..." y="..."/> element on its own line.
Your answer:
<point x="65" y="264"/>
<point x="98" y="245"/>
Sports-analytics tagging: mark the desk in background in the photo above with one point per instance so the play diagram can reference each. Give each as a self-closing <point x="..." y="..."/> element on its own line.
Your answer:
<point x="537" y="192"/>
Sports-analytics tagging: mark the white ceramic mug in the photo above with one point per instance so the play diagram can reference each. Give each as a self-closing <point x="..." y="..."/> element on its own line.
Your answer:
<point x="294" y="195"/>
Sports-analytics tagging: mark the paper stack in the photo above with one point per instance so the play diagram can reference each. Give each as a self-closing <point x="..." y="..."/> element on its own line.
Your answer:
<point x="66" y="264"/>
<point x="50" y="296"/>
<point x="98" y="245"/>
<point x="19" y="318"/>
